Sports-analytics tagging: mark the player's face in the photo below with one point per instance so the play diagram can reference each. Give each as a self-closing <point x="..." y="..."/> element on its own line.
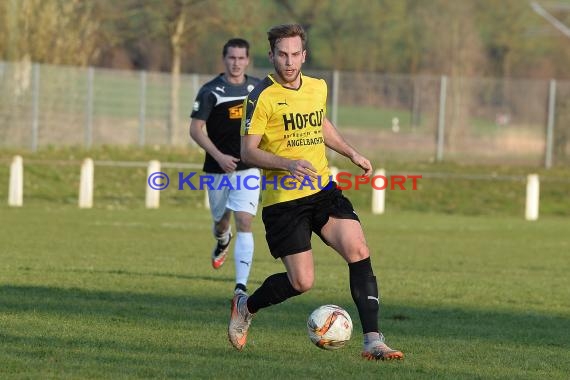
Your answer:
<point x="236" y="62"/>
<point x="287" y="57"/>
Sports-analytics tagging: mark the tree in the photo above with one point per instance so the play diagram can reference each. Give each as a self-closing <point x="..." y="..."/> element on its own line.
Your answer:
<point x="305" y="13"/>
<point x="51" y="31"/>
<point x="177" y="24"/>
<point x="454" y="50"/>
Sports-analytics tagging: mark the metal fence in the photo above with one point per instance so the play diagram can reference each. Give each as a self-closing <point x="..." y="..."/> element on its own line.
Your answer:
<point x="390" y="117"/>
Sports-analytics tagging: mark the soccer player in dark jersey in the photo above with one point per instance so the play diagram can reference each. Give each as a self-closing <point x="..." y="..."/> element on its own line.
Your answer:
<point x="285" y="132"/>
<point x="218" y="108"/>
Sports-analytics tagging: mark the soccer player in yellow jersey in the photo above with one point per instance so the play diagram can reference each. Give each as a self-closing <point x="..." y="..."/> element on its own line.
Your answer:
<point x="285" y="132"/>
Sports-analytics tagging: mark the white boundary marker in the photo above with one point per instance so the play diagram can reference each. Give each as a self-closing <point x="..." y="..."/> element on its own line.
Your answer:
<point x="334" y="172"/>
<point x="152" y="196"/>
<point x="206" y="199"/>
<point x="532" y="197"/>
<point x="16" y="191"/>
<point x="86" y="184"/>
<point x="379" y="196"/>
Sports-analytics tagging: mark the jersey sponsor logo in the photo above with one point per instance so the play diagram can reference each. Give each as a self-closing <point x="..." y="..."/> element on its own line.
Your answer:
<point x="305" y="141"/>
<point x="235" y="112"/>
<point x="221" y="89"/>
<point x="196" y="106"/>
<point x="293" y="121"/>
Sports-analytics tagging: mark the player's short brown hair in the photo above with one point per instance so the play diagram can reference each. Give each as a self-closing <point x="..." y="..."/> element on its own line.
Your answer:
<point x="284" y="31"/>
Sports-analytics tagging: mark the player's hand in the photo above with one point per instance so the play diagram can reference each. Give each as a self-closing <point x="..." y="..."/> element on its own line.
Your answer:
<point x="300" y="169"/>
<point x="363" y="163"/>
<point x="228" y="163"/>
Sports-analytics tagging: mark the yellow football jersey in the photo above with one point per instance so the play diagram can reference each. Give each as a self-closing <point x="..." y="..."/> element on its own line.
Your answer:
<point x="290" y="123"/>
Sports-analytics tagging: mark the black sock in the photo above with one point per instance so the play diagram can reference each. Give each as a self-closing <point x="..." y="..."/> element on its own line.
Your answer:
<point x="275" y="289"/>
<point x="364" y="291"/>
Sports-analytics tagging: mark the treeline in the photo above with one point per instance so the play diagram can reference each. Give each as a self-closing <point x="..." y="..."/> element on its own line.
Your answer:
<point x="493" y="38"/>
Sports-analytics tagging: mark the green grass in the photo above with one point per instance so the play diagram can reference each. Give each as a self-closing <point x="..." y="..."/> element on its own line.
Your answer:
<point x="375" y="118"/>
<point x="129" y="293"/>
<point x="51" y="176"/>
<point x="372" y="117"/>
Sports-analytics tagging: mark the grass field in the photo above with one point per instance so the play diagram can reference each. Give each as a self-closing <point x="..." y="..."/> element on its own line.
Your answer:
<point x="51" y="176"/>
<point x="129" y="293"/>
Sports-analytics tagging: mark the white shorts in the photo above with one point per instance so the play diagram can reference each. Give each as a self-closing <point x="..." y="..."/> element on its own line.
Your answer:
<point x="239" y="191"/>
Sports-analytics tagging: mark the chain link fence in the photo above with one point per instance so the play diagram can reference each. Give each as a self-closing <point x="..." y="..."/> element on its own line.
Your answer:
<point x="389" y="117"/>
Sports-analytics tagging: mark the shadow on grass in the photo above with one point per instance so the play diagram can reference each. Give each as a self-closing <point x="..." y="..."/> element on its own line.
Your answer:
<point x="74" y="301"/>
<point x="436" y="322"/>
<point x="215" y="278"/>
<point x="145" y="335"/>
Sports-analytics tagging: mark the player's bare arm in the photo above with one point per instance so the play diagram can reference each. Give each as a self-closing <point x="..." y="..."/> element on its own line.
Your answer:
<point x="253" y="156"/>
<point x="336" y="142"/>
<point x="226" y="162"/>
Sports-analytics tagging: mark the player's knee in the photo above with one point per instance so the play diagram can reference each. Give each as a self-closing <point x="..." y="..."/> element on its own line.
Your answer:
<point x="359" y="252"/>
<point x="221" y="227"/>
<point x="303" y="284"/>
<point x="243" y="222"/>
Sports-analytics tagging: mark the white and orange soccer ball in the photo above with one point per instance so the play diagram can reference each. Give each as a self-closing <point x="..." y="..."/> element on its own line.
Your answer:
<point x="329" y="327"/>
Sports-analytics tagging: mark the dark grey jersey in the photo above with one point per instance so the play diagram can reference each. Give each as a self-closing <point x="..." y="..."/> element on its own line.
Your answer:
<point x="220" y="104"/>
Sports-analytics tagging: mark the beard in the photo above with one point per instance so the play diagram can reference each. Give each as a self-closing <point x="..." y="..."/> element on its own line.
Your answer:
<point x="281" y="73"/>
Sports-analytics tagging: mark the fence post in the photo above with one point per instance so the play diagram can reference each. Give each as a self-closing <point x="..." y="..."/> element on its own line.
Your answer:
<point x="35" y="106"/>
<point x="532" y="197"/>
<point x="441" y="118"/>
<point x="152" y="195"/>
<point x="16" y="191"/>
<point x="379" y="195"/>
<point x="334" y="98"/>
<point x="88" y="133"/>
<point x="550" y="125"/>
<point x="86" y="184"/>
<point x="195" y="89"/>
<point x="142" y="110"/>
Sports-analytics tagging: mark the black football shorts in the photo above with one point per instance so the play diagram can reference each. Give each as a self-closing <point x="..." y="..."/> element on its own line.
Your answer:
<point x="289" y="225"/>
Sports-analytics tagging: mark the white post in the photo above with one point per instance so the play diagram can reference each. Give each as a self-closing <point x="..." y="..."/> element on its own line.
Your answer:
<point x="334" y="172"/>
<point x="86" y="184"/>
<point x="206" y="199"/>
<point x="532" y="197"/>
<point x="152" y="196"/>
<point x="16" y="191"/>
<point x="379" y="196"/>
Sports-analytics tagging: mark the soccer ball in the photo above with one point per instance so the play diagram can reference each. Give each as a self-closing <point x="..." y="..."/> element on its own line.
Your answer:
<point x="329" y="327"/>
